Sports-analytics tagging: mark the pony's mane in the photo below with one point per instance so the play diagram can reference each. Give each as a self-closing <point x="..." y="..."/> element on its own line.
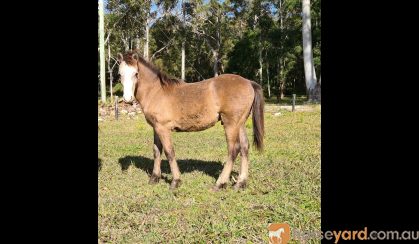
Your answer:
<point x="165" y="80"/>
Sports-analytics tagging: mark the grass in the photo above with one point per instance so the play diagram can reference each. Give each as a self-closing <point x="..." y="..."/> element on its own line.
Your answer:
<point x="284" y="184"/>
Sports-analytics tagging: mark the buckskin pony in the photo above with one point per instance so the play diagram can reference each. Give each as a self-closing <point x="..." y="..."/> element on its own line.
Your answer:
<point x="172" y="105"/>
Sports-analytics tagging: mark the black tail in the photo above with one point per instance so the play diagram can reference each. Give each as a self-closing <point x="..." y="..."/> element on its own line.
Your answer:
<point x="258" y="118"/>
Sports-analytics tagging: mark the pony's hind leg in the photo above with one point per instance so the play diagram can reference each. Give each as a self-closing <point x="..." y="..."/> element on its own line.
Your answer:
<point x="157" y="150"/>
<point x="244" y="165"/>
<point x="233" y="147"/>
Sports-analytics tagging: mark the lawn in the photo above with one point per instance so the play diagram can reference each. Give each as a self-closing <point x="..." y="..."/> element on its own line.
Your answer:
<point x="283" y="187"/>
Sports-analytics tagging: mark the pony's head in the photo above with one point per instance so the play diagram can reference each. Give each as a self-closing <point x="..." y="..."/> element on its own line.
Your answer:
<point x="128" y="70"/>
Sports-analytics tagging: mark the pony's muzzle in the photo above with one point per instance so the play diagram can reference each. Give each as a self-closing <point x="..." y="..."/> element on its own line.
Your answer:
<point x="129" y="101"/>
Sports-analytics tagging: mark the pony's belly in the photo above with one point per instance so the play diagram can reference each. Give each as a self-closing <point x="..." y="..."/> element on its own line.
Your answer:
<point x="196" y="122"/>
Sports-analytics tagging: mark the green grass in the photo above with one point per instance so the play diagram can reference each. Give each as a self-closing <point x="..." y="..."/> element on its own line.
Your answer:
<point x="284" y="184"/>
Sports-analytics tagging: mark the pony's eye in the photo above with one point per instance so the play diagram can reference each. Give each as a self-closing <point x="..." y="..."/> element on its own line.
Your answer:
<point x="136" y="75"/>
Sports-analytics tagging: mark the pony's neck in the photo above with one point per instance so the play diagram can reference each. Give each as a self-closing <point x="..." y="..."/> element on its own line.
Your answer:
<point x="148" y="82"/>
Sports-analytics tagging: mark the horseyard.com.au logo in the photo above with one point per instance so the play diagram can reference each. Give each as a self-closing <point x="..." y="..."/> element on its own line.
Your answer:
<point x="279" y="233"/>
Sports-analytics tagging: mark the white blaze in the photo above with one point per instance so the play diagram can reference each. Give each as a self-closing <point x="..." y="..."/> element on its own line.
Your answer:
<point x="128" y="80"/>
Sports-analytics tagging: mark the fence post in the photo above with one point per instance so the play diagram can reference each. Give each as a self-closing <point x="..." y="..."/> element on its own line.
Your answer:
<point x="116" y="107"/>
<point x="293" y="102"/>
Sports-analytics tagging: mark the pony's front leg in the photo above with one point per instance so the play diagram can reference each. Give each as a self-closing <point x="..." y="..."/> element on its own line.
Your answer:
<point x="157" y="150"/>
<point x="166" y="140"/>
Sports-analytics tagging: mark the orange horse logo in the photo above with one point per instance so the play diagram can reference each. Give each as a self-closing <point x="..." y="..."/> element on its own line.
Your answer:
<point x="279" y="233"/>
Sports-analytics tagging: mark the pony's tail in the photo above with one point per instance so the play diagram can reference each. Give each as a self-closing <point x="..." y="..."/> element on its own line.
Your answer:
<point x="258" y="117"/>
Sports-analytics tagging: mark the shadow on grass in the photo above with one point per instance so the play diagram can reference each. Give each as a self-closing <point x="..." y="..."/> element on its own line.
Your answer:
<point x="99" y="164"/>
<point x="210" y="168"/>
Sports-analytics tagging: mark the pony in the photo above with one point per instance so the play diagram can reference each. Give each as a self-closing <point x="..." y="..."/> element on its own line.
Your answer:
<point x="173" y="105"/>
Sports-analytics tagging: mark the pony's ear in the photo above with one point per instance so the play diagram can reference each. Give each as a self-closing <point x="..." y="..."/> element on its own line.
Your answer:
<point x="135" y="56"/>
<point x="120" y="57"/>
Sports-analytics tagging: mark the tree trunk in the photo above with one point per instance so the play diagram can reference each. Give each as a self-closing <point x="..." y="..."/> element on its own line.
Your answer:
<point x="260" y="60"/>
<point x="281" y="15"/>
<point x="216" y="52"/>
<point x="310" y="75"/>
<point x="267" y="73"/>
<point x="183" y="42"/>
<point x="125" y="41"/>
<point x="241" y="29"/>
<point x="282" y="89"/>
<point x="281" y="81"/>
<point x="146" y="37"/>
<point x="281" y="86"/>
<point x="102" y="52"/>
<point x="137" y="43"/>
<point x="315" y="93"/>
<point x="110" y="70"/>
<point x="215" y="66"/>
<point x="278" y="95"/>
<point x="269" y="86"/>
<point x="183" y="60"/>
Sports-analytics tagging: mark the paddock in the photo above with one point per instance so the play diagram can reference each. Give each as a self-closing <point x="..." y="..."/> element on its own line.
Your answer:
<point x="284" y="182"/>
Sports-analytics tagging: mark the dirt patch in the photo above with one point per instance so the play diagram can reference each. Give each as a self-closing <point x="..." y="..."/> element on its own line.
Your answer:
<point x="123" y="109"/>
<point x="298" y="108"/>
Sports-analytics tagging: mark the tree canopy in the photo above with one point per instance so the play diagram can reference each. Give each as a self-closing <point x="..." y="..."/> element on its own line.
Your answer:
<point x="259" y="40"/>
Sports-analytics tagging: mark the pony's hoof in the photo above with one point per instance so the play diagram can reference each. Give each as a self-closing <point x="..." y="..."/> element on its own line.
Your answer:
<point x="214" y="189"/>
<point x="240" y="185"/>
<point x="175" y="184"/>
<point x="219" y="187"/>
<point x="154" y="179"/>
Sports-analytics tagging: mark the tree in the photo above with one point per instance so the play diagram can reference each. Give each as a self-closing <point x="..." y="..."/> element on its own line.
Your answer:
<point x="212" y="25"/>
<point x="102" y="52"/>
<point x="281" y="65"/>
<point x="183" y="40"/>
<point x="286" y="38"/>
<point x="198" y="39"/>
<point x="310" y="73"/>
<point x="243" y="59"/>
